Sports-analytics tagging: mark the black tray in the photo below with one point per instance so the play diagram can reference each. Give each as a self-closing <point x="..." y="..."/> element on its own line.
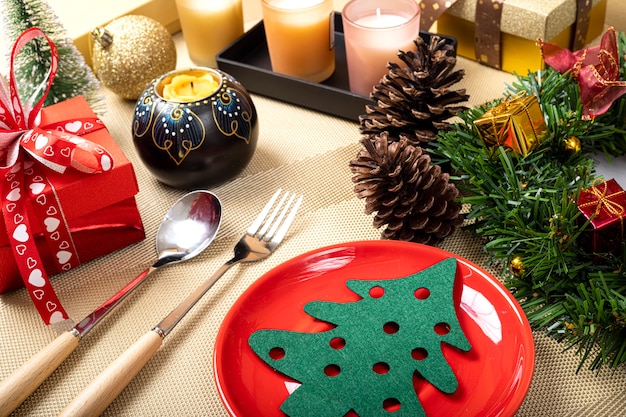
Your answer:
<point x="247" y="59"/>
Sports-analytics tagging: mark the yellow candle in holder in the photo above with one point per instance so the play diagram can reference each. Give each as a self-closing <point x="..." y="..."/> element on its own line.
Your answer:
<point x="208" y="27"/>
<point x="189" y="86"/>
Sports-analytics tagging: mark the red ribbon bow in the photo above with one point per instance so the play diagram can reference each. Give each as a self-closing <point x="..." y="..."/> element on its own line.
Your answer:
<point x="597" y="70"/>
<point x="26" y="147"/>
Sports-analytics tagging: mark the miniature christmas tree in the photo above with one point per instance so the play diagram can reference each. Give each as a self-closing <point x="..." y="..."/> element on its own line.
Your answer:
<point x="74" y="77"/>
<point x="368" y="361"/>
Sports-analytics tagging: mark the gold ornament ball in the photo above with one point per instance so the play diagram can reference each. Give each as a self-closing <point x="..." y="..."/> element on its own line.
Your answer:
<point x="572" y="144"/>
<point x="131" y="51"/>
<point x="516" y="266"/>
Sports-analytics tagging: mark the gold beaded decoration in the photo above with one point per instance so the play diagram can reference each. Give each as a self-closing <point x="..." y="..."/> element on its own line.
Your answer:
<point x="517" y="266"/>
<point x="130" y="52"/>
<point x="572" y="144"/>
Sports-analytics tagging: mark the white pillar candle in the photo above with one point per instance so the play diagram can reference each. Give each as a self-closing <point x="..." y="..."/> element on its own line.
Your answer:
<point x="374" y="32"/>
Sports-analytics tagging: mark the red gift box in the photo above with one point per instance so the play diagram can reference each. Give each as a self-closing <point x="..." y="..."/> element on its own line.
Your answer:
<point x="100" y="209"/>
<point x="604" y="205"/>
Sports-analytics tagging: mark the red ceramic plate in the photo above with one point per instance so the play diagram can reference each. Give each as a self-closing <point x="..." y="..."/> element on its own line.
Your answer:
<point x="494" y="376"/>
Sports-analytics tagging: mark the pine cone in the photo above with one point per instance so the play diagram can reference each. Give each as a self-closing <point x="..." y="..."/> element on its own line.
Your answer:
<point x="415" y="99"/>
<point x="408" y="194"/>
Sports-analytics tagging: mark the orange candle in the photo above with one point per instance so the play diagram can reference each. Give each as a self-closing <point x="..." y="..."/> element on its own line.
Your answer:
<point x="300" y="37"/>
<point x="209" y="26"/>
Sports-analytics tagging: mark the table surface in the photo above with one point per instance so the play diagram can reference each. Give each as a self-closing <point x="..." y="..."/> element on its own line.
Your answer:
<point x="299" y="150"/>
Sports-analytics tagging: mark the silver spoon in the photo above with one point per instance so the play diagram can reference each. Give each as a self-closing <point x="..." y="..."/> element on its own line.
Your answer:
<point x="186" y="230"/>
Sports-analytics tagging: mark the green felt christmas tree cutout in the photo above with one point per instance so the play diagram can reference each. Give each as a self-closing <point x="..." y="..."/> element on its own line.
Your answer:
<point x="366" y="363"/>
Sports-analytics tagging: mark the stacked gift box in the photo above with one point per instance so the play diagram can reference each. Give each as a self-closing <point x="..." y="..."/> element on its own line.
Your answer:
<point x="522" y="24"/>
<point x="99" y="209"/>
<point x="162" y="11"/>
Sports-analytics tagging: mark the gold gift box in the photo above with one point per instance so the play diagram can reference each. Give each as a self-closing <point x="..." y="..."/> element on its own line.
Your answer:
<point x="517" y="123"/>
<point x="523" y="22"/>
<point x="80" y="17"/>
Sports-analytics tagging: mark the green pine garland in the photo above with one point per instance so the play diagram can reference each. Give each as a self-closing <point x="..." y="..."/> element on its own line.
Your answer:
<point x="74" y="77"/>
<point x="525" y="208"/>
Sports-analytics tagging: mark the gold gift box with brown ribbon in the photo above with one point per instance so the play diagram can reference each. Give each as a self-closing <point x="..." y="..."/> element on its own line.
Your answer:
<point x="516" y="123"/>
<point x="567" y="23"/>
<point x="98" y="13"/>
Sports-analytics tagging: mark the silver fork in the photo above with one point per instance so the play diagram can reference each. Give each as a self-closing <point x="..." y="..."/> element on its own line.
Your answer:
<point x="260" y="240"/>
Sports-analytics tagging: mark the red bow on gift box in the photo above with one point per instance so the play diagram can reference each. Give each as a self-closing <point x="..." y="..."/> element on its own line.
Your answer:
<point x="597" y="70"/>
<point x="25" y="148"/>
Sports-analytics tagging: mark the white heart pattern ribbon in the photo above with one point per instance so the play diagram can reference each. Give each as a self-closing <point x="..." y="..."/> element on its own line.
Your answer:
<point x="57" y="146"/>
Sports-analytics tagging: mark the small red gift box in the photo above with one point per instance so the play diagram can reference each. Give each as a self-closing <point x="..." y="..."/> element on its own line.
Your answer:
<point x="604" y="205"/>
<point x="100" y="209"/>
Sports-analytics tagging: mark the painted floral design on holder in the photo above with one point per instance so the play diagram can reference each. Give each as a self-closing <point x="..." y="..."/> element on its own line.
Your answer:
<point x="27" y="150"/>
<point x="195" y="127"/>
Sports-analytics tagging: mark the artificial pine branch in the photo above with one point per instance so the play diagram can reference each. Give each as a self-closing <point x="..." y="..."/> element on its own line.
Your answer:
<point x="526" y="207"/>
<point x="74" y="77"/>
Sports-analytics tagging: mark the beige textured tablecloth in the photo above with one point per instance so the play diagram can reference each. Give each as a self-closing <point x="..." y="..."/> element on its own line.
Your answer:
<point x="299" y="150"/>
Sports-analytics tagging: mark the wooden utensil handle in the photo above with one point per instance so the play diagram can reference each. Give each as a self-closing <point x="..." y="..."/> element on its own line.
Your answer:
<point x="101" y="392"/>
<point x="15" y="388"/>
